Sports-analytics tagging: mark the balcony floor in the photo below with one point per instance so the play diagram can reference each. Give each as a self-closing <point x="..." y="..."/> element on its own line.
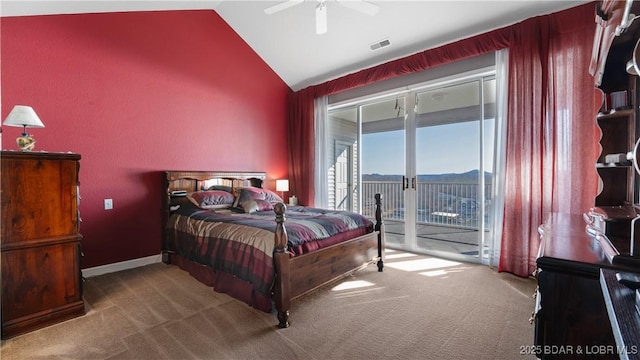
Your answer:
<point x="449" y="239"/>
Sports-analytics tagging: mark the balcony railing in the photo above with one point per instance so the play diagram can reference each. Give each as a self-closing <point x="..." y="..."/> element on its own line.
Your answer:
<point x="438" y="203"/>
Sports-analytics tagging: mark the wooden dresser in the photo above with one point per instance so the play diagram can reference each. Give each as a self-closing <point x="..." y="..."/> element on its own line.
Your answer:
<point x="40" y="253"/>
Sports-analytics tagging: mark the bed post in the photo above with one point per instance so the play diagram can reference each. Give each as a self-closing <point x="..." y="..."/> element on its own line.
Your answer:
<point x="281" y="291"/>
<point x="379" y="227"/>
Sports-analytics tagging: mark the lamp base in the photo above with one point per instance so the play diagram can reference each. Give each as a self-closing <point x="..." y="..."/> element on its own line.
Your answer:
<point x="26" y="142"/>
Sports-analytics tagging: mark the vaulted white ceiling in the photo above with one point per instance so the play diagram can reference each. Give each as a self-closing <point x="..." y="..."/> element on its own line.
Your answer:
<point x="287" y="41"/>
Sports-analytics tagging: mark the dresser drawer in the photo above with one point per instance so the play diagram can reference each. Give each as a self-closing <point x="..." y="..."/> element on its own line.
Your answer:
<point x="39" y="278"/>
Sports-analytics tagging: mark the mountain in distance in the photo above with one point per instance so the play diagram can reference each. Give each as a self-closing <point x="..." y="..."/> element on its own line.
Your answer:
<point x="469" y="176"/>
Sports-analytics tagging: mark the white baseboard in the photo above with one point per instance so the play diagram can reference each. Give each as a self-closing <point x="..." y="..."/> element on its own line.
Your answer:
<point x="119" y="266"/>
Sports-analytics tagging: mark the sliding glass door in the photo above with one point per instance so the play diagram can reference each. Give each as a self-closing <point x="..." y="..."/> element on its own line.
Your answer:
<point x="454" y="157"/>
<point x="429" y="152"/>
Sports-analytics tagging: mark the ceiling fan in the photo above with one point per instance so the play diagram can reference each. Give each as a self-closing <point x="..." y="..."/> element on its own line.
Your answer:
<point x="321" y="10"/>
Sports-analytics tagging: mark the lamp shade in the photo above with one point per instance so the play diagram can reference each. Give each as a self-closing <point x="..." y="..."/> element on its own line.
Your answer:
<point x="23" y="116"/>
<point x="282" y="185"/>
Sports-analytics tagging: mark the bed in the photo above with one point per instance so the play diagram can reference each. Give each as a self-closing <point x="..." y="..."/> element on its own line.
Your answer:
<point x="253" y="247"/>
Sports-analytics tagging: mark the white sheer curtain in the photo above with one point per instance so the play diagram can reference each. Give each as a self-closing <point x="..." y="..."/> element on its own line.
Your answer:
<point x="322" y="131"/>
<point x="495" y="229"/>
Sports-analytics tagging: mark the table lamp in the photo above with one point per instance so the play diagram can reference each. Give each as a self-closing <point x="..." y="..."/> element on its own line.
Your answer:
<point x="24" y="116"/>
<point x="282" y="186"/>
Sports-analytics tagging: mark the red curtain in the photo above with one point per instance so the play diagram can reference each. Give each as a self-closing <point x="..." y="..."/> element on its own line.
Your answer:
<point x="301" y="145"/>
<point x="552" y="137"/>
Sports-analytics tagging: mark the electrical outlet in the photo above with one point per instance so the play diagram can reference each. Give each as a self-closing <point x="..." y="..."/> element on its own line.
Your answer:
<point x="108" y="204"/>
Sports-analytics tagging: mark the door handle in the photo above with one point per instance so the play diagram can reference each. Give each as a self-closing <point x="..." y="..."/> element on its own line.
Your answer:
<point x="413" y="183"/>
<point x="405" y="183"/>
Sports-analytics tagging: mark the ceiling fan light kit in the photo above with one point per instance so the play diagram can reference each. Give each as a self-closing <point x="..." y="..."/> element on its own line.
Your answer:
<point x="321" y="10"/>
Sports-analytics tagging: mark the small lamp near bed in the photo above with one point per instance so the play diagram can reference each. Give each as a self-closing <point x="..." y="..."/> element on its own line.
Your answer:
<point x="23" y="116"/>
<point x="282" y="186"/>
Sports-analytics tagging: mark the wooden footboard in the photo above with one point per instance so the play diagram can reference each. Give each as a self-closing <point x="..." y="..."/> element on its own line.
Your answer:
<point x="296" y="276"/>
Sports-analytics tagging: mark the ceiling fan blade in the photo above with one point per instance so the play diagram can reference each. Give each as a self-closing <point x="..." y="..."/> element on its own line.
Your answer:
<point x="283" y="5"/>
<point x="321" y="18"/>
<point x="360" y="5"/>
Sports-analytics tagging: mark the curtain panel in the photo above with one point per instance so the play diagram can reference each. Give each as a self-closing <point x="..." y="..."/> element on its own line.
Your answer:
<point x="552" y="134"/>
<point x="301" y="139"/>
<point x="322" y="152"/>
<point x="552" y="137"/>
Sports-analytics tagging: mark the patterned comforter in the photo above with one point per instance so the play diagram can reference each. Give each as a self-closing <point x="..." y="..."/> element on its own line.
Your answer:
<point x="241" y="245"/>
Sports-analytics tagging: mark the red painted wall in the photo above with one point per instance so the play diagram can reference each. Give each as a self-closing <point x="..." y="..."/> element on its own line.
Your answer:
<point x="136" y="94"/>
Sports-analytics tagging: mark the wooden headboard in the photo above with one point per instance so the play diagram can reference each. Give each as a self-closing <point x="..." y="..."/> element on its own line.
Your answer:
<point x="191" y="181"/>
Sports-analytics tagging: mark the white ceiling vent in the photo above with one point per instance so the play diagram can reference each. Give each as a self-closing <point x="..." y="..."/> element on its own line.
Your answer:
<point x="380" y="44"/>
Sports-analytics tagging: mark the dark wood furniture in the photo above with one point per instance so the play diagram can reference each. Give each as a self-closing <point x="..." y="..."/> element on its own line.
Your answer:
<point x="299" y="275"/>
<point x="623" y="315"/>
<point x="40" y="254"/>
<point x="618" y="121"/>
<point x="570" y="310"/>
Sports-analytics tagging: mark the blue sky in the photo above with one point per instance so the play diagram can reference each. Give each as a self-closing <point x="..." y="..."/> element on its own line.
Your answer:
<point x="451" y="148"/>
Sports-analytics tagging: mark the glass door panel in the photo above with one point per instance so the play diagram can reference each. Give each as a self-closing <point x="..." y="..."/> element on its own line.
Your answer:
<point x="383" y="159"/>
<point x="448" y="153"/>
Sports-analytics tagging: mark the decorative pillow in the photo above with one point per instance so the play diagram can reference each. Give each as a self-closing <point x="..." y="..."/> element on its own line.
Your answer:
<point x="253" y="193"/>
<point x="252" y="206"/>
<point x="211" y="199"/>
<point x="272" y="197"/>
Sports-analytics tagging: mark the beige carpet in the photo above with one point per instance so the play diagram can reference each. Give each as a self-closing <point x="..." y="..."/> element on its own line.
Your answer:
<point x="418" y="308"/>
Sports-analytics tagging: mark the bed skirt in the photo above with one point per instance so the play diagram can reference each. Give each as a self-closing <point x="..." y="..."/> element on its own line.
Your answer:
<point x="223" y="283"/>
